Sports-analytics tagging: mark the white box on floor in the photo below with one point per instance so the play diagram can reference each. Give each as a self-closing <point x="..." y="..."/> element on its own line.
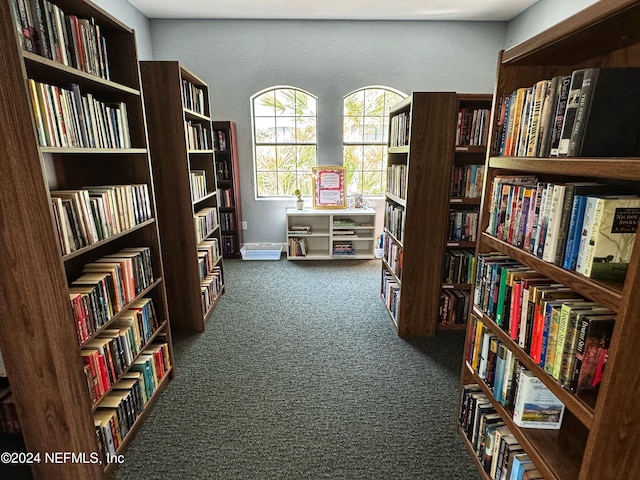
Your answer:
<point x="261" y="252"/>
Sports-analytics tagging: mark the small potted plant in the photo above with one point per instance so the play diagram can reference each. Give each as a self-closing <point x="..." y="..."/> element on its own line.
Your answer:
<point x="299" y="201"/>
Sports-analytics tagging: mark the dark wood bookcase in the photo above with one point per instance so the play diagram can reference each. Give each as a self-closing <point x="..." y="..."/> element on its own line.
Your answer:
<point x="37" y="329"/>
<point x="597" y="439"/>
<point x="420" y="156"/>
<point x="171" y="115"/>
<point x="468" y="155"/>
<point x="228" y="176"/>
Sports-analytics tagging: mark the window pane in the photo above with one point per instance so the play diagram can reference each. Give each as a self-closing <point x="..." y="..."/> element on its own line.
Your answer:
<point x="353" y="182"/>
<point x="391" y="98"/>
<point x="305" y="104"/>
<point x="374" y="102"/>
<point x="265" y="158"/>
<point x="354" y="104"/>
<point x="285" y="102"/>
<point x="267" y="183"/>
<point x="372" y="183"/>
<point x="263" y="106"/>
<point x="287" y="183"/>
<point x="287" y="157"/>
<point x="306" y="131"/>
<point x="353" y="129"/>
<point x="265" y="129"/>
<point x="373" y="158"/>
<point x="305" y="183"/>
<point x="285" y="129"/>
<point x="353" y="157"/>
<point x="373" y="129"/>
<point x="306" y="157"/>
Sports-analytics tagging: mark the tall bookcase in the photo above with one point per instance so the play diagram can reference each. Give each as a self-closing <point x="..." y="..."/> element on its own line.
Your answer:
<point x="38" y="331"/>
<point x="420" y="154"/>
<point x="466" y="180"/>
<point x="228" y="176"/>
<point x="597" y="439"/>
<point x="182" y="155"/>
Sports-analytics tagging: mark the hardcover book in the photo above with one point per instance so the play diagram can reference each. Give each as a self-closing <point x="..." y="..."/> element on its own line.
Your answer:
<point x="594" y="337"/>
<point x="535" y="405"/>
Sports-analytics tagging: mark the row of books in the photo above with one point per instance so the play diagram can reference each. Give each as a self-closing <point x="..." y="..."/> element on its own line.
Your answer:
<point x="299" y="230"/>
<point x="197" y="136"/>
<point x="399" y="130"/>
<point x="9" y="422"/>
<point x="220" y="140"/>
<point x="458" y="266"/>
<point x="547" y="320"/>
<point x="46" y="30"/>
<point x="394" y="217"/>
<point x="67" y="118"/>
<point x="198" y="181"/>
<point x="391" y="293"/>
<point x="107" y="286"/>
<point x="229" y="244"/>
<point x="578" y="226"/>
<point x="227" y="221"/>
<point x="107" y="356"/>
<point x="463" y="225"/>
<point x="223" y="170"/>
<point x="466" y="181"/>
<point x="297" y="246"/>
<point x="208" y="256"/>
<point x="344" y="222"/>
<point x="206" y="221"/>
<point x="497" y="449"/>
<point x="454" y="307"/>
<point x="397" y="180"/>
<point x="393" y="255"/>
<point x="88" y="215"/>
<point x="210" y="288"/>
<point x="119" y="410"/>
<point x="225" y="197"/>
<point x="193" y="97"/>
<point x="472" y="126"/>
<point x="590" y="113"/>
<point x="343" y="248"/>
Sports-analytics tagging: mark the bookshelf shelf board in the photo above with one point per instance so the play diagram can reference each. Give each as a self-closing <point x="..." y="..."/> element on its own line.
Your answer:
<point x="461" y="244"/>
<point x="357" y="256"/>
<point x="392" y="236"/>
<point x="613" y="168"/>
<point x="124" y="309"/>
<point x="199" y="152"/>
<point x="202" y="199"/>
<point x="390" y="270"/>
<point x="576" y="405"/>
<point x="93" y="246"/>
<point x="402" y="149"/>
<point x="93" y="151"/>
<point x="605" y="294"/>
<point x="465" y="201"/>
<point x="227" y="209"/>
<point x="312" y="255"/>
<point x="223" y="152"/>
<point x="109" y="468"/>
<point x="471" y="149"/>
<point x="41" y="68"/>
<point x="315" y="233"/>
<point x="193" y="115"/>
<point x="158" y="330"/>
<point x="400" y="201"/>
<point x="456" y="286"/>
<point x="555" y="455"/>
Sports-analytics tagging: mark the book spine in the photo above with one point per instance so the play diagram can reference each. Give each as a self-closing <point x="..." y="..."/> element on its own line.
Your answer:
<point x="572" y="108"/>
<point x="582" y="112"/>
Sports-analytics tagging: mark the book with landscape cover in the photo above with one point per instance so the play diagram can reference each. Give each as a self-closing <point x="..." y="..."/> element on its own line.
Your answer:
<point x="535" y="405"/>
<point x="612" y="237"/>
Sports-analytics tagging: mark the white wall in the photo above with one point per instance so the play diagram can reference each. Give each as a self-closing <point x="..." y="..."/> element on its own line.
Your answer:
<point x="540" y="16"/>
<point x="133" y="18"/>
<point x="238" y="58"/>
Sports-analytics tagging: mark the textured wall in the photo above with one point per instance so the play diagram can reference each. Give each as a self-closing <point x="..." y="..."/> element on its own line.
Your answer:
<point x="131" y="16"/>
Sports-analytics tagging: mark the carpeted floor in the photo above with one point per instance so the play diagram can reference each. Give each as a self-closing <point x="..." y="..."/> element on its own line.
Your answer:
<point x="300" y="375"/>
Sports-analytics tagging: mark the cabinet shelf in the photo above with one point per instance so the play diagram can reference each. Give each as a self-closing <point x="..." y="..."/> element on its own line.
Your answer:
<point x="193" y="115"/>
<point x="93" y="151"/>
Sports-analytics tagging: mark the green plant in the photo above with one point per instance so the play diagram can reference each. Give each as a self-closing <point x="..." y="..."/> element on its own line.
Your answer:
<point x="298" y="194"/>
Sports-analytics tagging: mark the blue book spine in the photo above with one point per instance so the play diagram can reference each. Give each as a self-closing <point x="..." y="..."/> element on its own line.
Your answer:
<point x="499" y="374"/>
<point x="573" y="236"/>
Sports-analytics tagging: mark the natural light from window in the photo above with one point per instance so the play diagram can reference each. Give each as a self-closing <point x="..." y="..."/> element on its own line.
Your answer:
<point x="285" y="145"/>
<point x="365" y="134"/>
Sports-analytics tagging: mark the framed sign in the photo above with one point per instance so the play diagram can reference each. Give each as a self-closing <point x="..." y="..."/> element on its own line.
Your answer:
<point x="329" y="189"/>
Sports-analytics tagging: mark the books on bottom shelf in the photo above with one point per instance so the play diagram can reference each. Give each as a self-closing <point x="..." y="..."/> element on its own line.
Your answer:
<point x="391" y="293"/>
<point x="535" y="406"/>
<point x="343" y="248"/>
<point x="9" y="422"/>
<point x="210" y="288"/>
<point x="297" y="246"/>
<point x="118" y="411"/>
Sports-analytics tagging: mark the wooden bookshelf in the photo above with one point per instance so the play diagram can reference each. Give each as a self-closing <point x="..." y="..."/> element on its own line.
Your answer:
<point x="597" y="439"/>
<point x="38" y="331"/>
<point x="423" y="150"/>
<point x="466" y="176"/>
<point x="228" y="176"/>
<point x="168" y="92"/>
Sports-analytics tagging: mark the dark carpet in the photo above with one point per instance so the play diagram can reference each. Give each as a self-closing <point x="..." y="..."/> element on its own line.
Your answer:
<point x="300" y="375"/>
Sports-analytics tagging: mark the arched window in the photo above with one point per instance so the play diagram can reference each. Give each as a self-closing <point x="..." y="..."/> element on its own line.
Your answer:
<point x="364" y="138"/>
<point x="284" y="141"/>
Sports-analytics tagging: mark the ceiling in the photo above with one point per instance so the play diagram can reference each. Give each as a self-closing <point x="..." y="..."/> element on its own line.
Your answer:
<point x="481" y="10"/>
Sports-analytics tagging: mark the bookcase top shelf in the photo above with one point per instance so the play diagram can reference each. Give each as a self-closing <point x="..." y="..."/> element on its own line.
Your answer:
<point x="93" y="151"/>
<point x="193" y="115"/>
<point x="616" y="168"/>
